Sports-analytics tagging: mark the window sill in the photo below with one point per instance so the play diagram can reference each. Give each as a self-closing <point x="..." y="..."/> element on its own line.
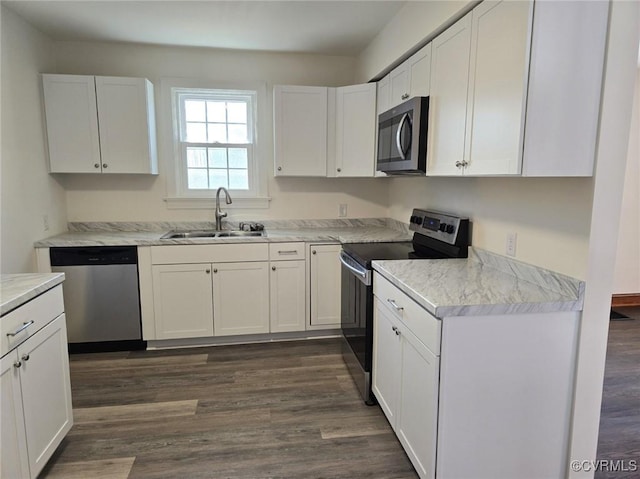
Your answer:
<point x="210" y="203"/>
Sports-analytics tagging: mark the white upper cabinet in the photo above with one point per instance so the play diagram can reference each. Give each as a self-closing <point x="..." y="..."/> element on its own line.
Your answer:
<point x="100" y="124"/>
<point x="300" y="130"/>
<point x="448" y="98"/>
<point x="320" y="131"/>
<point x="355" y="130"/>
<point x="516" y="92"/>
<point x="409" y="79"/>
<point x="497" y="87"/>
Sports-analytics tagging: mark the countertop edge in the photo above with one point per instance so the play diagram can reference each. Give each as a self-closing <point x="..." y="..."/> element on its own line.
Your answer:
<point x="46" y="282"/>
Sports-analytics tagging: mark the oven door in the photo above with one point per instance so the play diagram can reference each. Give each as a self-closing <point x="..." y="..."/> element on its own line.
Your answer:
<point x="357" y="323"/>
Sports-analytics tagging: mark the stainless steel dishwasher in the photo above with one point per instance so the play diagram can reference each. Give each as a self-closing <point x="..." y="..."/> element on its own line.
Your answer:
<point x="101" y="297"/>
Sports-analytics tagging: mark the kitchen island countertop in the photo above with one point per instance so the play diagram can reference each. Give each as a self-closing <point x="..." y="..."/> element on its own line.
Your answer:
<point x="17" y="289"/>
<point x="483" y="284"/>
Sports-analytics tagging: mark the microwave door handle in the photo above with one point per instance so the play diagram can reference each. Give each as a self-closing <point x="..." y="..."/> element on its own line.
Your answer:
<point x="401" y="150"/>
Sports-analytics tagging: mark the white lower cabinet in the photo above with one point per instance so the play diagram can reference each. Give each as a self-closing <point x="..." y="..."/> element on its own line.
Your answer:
<point x="240" y="298"/>
<point x="288" y="296"/>
<point x="405" y="382"/>
<point x="325" y="284"/>
<point x="183" y="303"/>
<point x="36" y="401"/>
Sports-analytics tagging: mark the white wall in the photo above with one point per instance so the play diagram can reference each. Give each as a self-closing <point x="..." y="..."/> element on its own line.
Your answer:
<point x="122" y="198"/>
<point x="627" y="272"/>
<point x="28" y="191"/>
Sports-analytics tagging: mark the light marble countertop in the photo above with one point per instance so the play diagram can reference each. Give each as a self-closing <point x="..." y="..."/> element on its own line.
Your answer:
<point x="483" y="284"/>
<point x="17" y="289"/>
<point x="342" y="231"/>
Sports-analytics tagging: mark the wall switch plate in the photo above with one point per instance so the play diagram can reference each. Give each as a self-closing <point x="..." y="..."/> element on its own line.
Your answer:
<point x="512" y="239"/>
<point x="45" y="222"/>
<point x="343" y="211"/>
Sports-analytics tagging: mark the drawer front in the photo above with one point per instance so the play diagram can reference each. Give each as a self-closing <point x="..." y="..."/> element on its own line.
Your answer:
<point x="210" y="253"/>
<point x="22" y="323"/>
<point x="286" y="251"/>
<point x="420" y="322"/>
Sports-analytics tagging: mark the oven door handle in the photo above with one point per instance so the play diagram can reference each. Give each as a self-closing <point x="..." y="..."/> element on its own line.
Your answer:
<point x="362" y="274"/>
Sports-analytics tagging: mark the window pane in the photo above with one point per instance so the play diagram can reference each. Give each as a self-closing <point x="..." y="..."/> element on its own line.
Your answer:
<point x="237" y="112"/>
<point x="217" y="133"/>
<point x="216" y="112"/>
<point x="196" y="157"/>
<point x="237" y="158"/>
<point x="239" y="179"/>
<point x="238" y="134"/>
<point x="217" y="157"/>
<point x="217" y="178"/>
<point x="197" y="179"/>
<point x="194" y="110"/>
<point x="196" y="132"/>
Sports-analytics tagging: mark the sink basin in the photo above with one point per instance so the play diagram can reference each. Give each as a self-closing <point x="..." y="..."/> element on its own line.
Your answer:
<point x="210" y="234"/>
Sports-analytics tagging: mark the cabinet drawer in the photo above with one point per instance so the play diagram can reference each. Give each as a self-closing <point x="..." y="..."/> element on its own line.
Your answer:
<point x="286" y="251"/>
<point x="420" y="322"/>
<point x="209" y="253"/>
<point x="41" y="310"/>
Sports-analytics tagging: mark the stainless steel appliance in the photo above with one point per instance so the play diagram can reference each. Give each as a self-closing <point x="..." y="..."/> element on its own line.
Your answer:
<point x="436" y="236"/>
<point x="402" y="138"/>
<point x="101" y="297"/>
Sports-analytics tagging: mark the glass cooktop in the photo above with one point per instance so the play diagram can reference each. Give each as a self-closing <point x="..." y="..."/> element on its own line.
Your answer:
<point x="364" y="253"/>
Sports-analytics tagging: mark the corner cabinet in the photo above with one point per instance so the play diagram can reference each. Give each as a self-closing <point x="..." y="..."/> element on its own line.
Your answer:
<point x="325" y="132"/>
<point x="100" y="124"/>
<point x="502" y="69"/>
<point x="35" y="385"/>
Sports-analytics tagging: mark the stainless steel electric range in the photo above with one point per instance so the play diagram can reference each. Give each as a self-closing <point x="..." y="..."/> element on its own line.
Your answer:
<point x="436" y="236"/>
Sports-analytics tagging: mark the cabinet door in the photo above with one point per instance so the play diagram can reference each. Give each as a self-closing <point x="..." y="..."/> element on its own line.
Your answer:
<point x="383" y="97"/>
<point x="14" y="461"/>
<point x="46" y="391"/>
<point x="399" y="84"/>
<point x="182" y="298"/>
<point x="419" y="66"/>
<point x="288" y="290"/>
<point x="355" y="130"/>
<point x="127" y="125"/>
<point x="416" y="422"/>
<point x="386" y="361"/>
<point x="325" y="284"/>
<point x="240" y="298"/>
<point x="448" y="98"/>
<point x="72" y="123"/>
<point x="497" y="87"/>
<point x="300" y="130"/>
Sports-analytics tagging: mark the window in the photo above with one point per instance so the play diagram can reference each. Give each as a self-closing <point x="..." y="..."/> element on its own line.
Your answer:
<point x="215" y="133"/>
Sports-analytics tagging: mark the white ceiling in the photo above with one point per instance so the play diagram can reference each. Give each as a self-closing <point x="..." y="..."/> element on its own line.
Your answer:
<point x="329" y="27"/>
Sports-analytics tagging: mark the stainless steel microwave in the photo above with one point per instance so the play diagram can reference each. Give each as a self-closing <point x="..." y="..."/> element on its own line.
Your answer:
<point x="402" y="138"/>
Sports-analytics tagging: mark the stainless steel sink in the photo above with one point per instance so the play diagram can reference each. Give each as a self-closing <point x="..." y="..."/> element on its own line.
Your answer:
<point x="210" y="234"/>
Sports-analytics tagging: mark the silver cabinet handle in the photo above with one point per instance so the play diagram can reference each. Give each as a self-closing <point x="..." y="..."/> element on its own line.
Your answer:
<point x="207" y="271"/>
<point x="395" y="306"/>
<point x="104" y="165"/>
<point x="273" y="268"/>
<point x="21" y="328"/>
<point x="17" y="364"/>
<point x="339" y="170"/>
<point x="395" y="330"/>
<point x="279" y="168"/>
<point x="96" y="165"/>
<point x="458" y="164"/>
<point x="215" y="270"/>
<point x="290" y="251"/>
<point x="25" y="357"/>
<point x="405" y="96"/>
<point x="313" y="252"/>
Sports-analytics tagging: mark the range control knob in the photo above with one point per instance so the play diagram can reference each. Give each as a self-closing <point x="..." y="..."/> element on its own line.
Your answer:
<point x="413" y="219"/>
<point x="450" y="229"/>
<point x="443" y="227"/>
<point x="418" y="220"/>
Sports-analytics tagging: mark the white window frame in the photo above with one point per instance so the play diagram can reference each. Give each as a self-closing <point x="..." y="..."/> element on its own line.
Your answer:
<point x="178" y="194"/>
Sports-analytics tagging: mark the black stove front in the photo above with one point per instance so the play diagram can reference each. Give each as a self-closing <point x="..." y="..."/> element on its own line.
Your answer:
<point x="357" y="285"/>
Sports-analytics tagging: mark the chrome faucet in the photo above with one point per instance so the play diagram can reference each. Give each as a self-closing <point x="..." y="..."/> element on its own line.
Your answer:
<point x="219" y="213"/>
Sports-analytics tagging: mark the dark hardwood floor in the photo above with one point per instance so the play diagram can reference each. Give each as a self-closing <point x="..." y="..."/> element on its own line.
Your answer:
<point x="273" y="410"/>
<point x="619" y="438"/>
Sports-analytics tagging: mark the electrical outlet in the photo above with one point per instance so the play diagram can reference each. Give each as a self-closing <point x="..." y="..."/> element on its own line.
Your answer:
<point x="343" y="211"/>
<point x="512" y="239"/>
<point x="45" y="222"/>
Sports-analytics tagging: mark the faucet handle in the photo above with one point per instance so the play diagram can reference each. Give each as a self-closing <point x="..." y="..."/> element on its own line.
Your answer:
<point x="241" y="226"/>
